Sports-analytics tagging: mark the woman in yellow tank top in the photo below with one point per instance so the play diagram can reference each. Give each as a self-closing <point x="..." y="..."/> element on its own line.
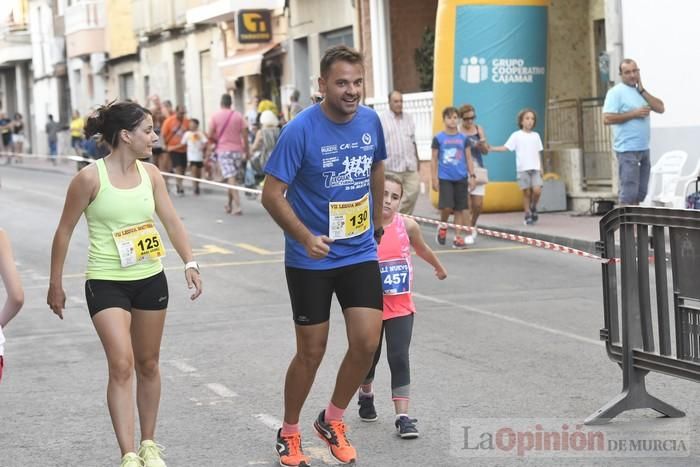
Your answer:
<point x="126" y="288"/>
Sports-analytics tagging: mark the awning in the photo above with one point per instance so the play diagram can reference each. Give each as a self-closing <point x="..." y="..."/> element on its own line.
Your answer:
<point x="247" y="62"/>
<point x="225" y="10"/>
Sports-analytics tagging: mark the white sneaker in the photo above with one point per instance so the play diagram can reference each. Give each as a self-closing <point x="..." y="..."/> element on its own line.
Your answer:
<point x="468" y="240"/>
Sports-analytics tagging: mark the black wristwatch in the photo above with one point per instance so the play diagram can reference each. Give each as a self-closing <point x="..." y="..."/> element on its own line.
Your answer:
<point x="378" y="232"/>
<point x="642" y="91"/>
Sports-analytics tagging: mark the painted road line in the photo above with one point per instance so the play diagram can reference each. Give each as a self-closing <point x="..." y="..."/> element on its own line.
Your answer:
<point x="257" y="250"/>
<point x="510" y="319"/>
<point x="182" y="366"/>
<point x="205" y="250"/>
<point x="320" y="453"/>
<point x="244" y="246"/>
<point x="221" y="390"/>
<point x="268" y="420"/>
<point x="201" y="266"/>
<point x="280" y="260"/>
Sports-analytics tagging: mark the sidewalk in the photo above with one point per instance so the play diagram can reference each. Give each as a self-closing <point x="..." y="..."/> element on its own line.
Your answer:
<point x="564" y="228"/>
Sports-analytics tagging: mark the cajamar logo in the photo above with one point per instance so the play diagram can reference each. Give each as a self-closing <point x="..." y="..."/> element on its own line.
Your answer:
<point x="254" y="26"/>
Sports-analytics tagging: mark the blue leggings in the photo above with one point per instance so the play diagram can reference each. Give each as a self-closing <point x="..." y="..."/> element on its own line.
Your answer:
<point x="398" y="332"/>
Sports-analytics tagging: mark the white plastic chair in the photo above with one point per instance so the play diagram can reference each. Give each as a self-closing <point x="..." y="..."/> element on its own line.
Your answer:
<point x="667" y="183"/>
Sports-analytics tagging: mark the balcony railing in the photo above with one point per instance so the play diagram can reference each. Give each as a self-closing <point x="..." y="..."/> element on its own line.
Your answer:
<point x="155" y="16"/>
<point x="578" y="123"/>
<point x="420" y="106"/>
<point x="89" y="14"/>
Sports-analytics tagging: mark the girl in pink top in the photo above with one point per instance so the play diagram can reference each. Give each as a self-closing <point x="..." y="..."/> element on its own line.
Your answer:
<point x="400" y="234"/>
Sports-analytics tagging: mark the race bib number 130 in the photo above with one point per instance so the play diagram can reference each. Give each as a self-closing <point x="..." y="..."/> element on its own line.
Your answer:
<point x="138" y="243"/>
<point x="348" y="219"/>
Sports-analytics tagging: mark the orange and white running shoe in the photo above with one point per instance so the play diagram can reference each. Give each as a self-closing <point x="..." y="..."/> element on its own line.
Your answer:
<point x="288" y="447"/>
<point x="333" y="433"/>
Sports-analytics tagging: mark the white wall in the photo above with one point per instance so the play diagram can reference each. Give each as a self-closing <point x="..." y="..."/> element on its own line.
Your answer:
<point x="662" y="37"/>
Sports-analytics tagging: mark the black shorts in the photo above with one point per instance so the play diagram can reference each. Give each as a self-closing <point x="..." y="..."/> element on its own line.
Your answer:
<point x="454" y="194"/>
<point x="178" y="159"/>
<point x="199" y="164"/>
<point x="355" y="286"/>
<point x="150" y="293"/>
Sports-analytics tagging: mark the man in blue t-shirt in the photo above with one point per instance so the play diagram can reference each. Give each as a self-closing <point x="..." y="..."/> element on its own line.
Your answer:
<point x="328" y="162"/>
<point x="627" y="107"/>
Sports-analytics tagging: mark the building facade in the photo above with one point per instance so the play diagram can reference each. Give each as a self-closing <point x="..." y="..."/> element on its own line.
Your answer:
<point x="15" y="61"/>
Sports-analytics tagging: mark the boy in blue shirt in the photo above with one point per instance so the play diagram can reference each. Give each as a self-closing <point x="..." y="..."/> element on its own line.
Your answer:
<point x="325" y="188"/>
<point x="453" y="175"/>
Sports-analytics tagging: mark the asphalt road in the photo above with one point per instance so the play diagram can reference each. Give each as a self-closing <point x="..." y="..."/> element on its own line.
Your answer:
<point x="509" y="338"/>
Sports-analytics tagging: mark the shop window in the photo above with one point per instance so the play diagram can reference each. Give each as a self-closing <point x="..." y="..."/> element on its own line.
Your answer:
<point x="126" y="86"/>
<point x="336" y="37"/>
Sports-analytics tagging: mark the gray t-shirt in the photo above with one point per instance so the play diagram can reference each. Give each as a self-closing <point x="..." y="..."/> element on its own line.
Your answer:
<point x="52" y="130"/>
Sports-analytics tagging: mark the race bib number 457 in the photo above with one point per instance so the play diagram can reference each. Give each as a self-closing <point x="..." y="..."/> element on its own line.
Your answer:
<point x="138" y="243"/>
<point x="396" y="276"/>
<point x="348" y="219"/>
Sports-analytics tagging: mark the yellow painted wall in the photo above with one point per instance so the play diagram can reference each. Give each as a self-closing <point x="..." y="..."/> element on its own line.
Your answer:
<point x="120" y="38"/>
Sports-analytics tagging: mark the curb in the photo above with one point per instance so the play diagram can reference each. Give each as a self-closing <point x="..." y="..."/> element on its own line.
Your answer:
<point x="588" y="246"/>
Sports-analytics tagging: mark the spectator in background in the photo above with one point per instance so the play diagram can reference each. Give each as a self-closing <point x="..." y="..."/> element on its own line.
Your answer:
<point x="52" y="129"/>
<point x="267" y="104"/>
<point x="174" y="127"/>
<point x="95" y="148"/>
<point x="159" y="155"/>
<point x="6" y="133"/>
<point x="294" y="106"/>
<point x="477" y="145"/>
<point x="401" y="151"/>
<point x="76" y="133"/>
<point x="316" y="98"/>
<point x="265" y="141"/>
<point x="627" y="107"/>
<point x="229" y="135"/>
<point x="196" y="143"/>
<point x="167" y="108"/>
<point x="18" y="135"/>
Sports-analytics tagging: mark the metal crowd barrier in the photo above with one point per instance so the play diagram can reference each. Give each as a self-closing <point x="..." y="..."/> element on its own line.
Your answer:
<point x="665" y="278"/>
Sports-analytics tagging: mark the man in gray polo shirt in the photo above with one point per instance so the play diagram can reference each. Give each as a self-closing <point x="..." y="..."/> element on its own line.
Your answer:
<point x="401" y="150"/>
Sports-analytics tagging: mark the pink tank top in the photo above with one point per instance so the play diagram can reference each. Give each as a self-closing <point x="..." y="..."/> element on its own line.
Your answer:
<point x="397" y="270"/>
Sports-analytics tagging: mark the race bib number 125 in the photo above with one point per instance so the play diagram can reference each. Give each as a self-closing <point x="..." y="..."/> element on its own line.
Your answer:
<point x="138" y="243"/>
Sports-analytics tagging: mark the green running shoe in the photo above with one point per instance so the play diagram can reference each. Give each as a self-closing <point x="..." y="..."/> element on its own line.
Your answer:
<point x="131" y="459"/>
<point x="151" y="454"/>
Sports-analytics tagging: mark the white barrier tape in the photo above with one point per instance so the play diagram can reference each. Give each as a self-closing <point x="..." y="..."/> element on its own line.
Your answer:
<point x="489" y="233"/>
<point x="213" y="183"/>
<point x="46" y="156"/>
